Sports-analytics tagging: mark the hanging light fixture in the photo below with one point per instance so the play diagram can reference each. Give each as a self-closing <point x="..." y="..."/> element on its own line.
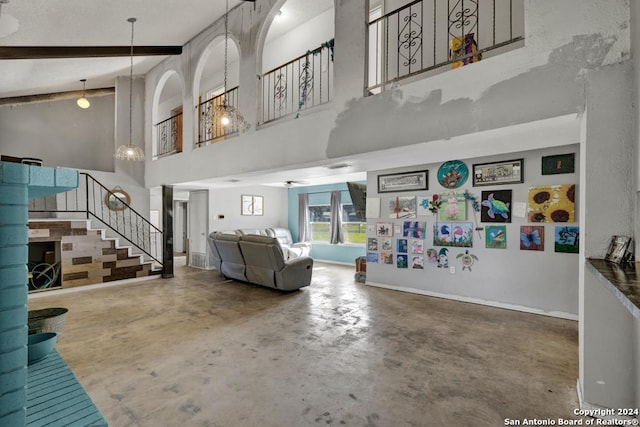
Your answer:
<point x="130" y="151"/>
<point x="229" y="117"/>
<point x="83" y="102"/>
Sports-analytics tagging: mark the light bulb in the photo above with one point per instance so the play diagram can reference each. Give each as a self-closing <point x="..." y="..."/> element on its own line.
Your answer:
<point x="130" y="151"/>
<point x="83" y="103"/>
<point x="225" y="121"/>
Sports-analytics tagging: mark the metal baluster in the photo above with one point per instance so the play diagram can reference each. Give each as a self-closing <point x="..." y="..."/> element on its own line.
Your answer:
<point x="398" y="46"/>
<point x="435" y="59"/>
<point x="510" y="20"/>
<point x="421" y="43"/>
<point x="494" y="22"/>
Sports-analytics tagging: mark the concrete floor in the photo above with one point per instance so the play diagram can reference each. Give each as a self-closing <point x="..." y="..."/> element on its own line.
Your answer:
<point x="197" y="351"/>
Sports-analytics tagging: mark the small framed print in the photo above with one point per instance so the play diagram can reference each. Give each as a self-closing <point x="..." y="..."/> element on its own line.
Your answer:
<point x="505" y="172"/>
<point x="618" y="249"/>
<point x="384" y="229"/>
<point x="252" y="205"/>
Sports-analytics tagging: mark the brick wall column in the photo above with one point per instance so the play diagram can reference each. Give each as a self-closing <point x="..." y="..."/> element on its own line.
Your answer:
<point x="13" y="294"/>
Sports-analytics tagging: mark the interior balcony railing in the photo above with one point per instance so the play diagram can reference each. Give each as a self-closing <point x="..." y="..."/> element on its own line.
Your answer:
<point x="302" y="83"/>
<point x="169" y="136"/>
<point x="426" y="35"/>
<point x="93" y="201"/>
<point x="210" y="129"/>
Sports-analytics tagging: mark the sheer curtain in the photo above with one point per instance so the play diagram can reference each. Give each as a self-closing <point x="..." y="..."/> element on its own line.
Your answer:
<point x="335" y="234"/>
<point x="304" y="233"/>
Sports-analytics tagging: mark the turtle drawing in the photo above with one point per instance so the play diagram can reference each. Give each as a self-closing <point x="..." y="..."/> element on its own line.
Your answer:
<point x="467" y="259"/>
<point x="496" y="207"/>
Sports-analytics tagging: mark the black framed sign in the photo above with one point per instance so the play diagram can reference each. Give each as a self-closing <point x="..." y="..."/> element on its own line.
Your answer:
<point x="405" y="181"/>
<point x="562" y="163"/>
<point x="505" y="172"/>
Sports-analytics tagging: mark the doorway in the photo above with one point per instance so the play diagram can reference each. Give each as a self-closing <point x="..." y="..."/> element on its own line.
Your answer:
<point x="180" y="227"/>
<point x="198" y="228"/>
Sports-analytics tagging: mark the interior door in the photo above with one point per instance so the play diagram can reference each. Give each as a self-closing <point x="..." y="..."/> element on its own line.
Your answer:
<point x="198" y="227"/>
<point x="180" y="227"/>
<point x="178" y="135"/>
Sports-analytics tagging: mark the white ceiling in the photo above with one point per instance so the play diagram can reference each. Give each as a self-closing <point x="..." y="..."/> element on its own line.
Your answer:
<point x="93" y="23"/>
<point x="104" y="23"/>
<point x="159" y="22"/>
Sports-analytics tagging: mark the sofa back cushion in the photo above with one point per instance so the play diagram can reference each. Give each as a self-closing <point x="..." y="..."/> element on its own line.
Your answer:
<point x="251" y="231"/>
<point x="282" y="234"/>
<point x="263" y="257"/>
<point x="232" y="261"/>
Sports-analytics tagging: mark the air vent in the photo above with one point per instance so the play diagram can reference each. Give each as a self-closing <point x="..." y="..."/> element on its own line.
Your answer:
<point x="198" y="260"/>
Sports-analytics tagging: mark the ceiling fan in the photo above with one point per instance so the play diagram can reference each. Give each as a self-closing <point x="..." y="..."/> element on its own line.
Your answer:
<point x="289" y="184"/>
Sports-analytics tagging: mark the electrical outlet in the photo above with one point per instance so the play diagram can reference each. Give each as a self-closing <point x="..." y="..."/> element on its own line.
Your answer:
<point x="452" y="270"/>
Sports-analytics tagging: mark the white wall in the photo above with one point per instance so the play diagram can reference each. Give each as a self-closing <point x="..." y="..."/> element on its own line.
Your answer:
<point x="308" y="36"/>
<point x="226" y="202"/>
<point x="537" y="281"/>
<point x="212" y="81"/>
<point x="60" y="133"/>
<point x="547" y="75"/>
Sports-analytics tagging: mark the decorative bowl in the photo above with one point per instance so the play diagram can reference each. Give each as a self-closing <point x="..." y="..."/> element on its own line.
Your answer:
<point x="47" y="320"/>
<point x="40" y="345"/>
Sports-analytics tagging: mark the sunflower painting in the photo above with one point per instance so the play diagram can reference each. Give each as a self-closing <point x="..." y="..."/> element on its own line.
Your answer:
<point x="552" y="203"/>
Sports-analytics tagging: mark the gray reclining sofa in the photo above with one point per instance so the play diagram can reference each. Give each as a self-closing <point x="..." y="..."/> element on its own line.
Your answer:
<point x="259" y="260"/>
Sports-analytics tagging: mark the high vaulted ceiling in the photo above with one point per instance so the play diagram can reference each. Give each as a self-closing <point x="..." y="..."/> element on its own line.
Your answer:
<point x="93" y="23"/>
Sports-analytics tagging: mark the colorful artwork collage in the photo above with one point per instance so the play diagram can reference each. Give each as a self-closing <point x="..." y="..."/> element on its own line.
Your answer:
<point x="454" y="223"/>
<point x="409" y="246"/>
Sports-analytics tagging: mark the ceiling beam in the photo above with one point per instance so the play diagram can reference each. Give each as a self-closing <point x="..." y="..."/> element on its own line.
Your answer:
<point x="49" y="52"/>
<point x="56" y="96"/>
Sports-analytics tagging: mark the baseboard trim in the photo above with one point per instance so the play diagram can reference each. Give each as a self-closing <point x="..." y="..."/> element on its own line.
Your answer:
<point x="600" y="412"/>
<point x="95" y="286"/>
<point x="327" y="261"/>
<point x="521" y="308"/>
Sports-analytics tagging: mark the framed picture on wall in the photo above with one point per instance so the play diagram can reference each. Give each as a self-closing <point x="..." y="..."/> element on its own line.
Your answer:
<point x="562" y="163"/>
<point x="406" y="181"/>
<point x="252" y="205"/>
<point x="505" y="172"/>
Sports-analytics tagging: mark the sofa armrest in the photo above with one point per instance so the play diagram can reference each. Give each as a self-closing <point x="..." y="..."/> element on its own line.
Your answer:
<point x="295" y="274"/>
<point x="301" y="245"/>
<point x="300" y="262"/>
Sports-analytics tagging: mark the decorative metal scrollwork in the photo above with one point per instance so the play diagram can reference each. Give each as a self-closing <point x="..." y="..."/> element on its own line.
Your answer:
<point x="280" y="91"/>
<point x="410" y="39"/>
<point x="163" y="139"/>
<point x="206" y="122"/>
<point x="306" y="81"/>
<point x="463" y="16"/>
<point x="174" y="134"/>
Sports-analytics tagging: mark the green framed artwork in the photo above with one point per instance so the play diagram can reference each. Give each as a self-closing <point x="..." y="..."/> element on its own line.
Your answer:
<point x="496" y="236"/>
<point x="561" y="163"/>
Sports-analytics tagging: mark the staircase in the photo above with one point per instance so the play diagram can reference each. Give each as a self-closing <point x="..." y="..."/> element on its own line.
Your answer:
<point x="91" y="254"/>
<point x="87" y="256"/>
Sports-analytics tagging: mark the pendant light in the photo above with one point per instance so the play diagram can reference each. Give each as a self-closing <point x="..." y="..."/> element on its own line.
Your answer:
<point x="130" y="151"/>
<point x="83" y="102"/>
<point x="228" y="116"/>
